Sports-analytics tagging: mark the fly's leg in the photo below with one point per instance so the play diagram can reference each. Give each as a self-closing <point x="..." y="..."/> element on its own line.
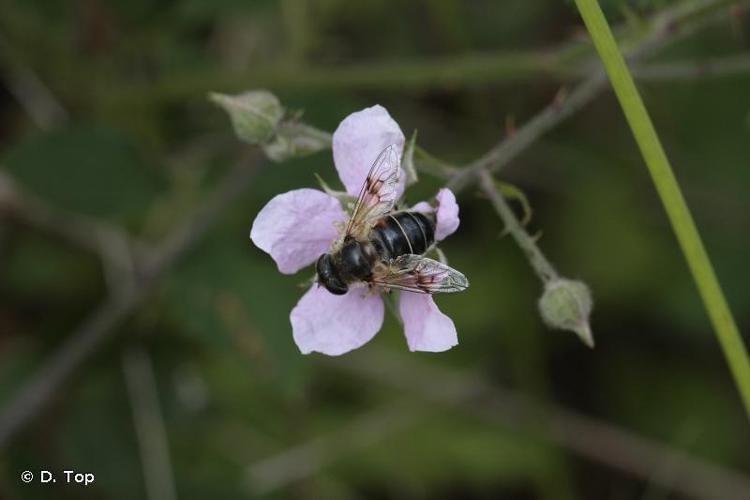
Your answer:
<point x="438" y="253"/>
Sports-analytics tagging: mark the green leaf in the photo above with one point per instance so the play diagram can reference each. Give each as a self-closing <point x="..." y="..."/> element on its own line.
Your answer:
<point x="230" y="296"/>
<point x="94" y="171"/>
<point x="38" y="268"/>
<point x="512" y="192"/>
<point x="96" y="434"/>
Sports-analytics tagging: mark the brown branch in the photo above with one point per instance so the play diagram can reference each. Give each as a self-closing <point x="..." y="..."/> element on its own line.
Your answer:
<point x="667" y="27"/>
<point x="114" y="246"/>
<point x="148" y="421"/>
<point x="104" y="320"/>
<point x="693" y="70"/>
<point x="564" y="62"/>
<point x="30" y="91"/>
<point x="307" y="459"/>
<point x="80" y="230"/>
<point x="560" y="109"/>
<point x="584" y="436"/>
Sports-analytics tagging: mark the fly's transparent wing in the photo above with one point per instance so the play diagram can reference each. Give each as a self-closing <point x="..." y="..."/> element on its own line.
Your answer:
<point x="415" y="273"/>
<point x="378" y="193"/>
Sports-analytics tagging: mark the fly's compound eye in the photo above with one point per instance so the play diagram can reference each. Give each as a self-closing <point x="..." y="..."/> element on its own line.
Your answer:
<point x="328" y="277"/>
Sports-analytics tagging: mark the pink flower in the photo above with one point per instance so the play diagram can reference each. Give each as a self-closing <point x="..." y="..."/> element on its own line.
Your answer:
<point x="296" y="227"/>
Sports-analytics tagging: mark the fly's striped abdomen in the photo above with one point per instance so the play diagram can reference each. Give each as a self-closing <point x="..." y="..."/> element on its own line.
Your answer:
<point x="403" y="233"/>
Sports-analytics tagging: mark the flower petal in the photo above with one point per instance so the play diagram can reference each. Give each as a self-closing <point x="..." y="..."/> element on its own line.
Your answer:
<point x="335" y="324"/>
<point x="447" y="214"/>
<point x="296" y="227"/>
<point x="358" y="141"/>
<point x="423" y="207"/>
<point x="425" y="327"/>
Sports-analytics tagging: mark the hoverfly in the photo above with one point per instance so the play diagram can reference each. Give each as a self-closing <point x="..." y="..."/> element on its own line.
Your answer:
<point x="386" y="248"/>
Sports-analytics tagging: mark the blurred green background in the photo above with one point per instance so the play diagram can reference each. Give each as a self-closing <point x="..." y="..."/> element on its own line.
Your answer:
<point x="128" y="136"/>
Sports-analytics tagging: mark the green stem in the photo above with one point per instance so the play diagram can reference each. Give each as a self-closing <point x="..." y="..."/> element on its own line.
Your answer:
<point x="670" y="194"/>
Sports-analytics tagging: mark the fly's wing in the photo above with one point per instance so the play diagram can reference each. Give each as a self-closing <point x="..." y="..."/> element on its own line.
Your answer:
<point x="378" y="193"/>
<point x="415" y="273"/>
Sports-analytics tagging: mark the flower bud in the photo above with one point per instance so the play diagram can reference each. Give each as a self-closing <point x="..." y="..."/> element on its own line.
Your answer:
<point x="566" y="305"/>
<point x="294" y="139"/>
<point x="255" y="114"/>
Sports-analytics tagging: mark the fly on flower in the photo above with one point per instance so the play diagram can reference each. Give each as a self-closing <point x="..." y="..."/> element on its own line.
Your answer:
<point x="375" y="249"/>
<point x="384" y="248"/>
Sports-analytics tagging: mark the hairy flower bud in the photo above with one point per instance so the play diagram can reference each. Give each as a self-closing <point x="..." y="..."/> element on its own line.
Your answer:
<point x="294" y="139"/>
<point x="255" y="114"/>
<point x="566" y="305"/>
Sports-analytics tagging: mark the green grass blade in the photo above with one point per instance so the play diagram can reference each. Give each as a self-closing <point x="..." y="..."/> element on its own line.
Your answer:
<point x="670" y="194"/>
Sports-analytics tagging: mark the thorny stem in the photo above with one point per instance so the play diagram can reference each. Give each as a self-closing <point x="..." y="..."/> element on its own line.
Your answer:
<point x="671" y="196"/>
<point x="507" y="150"/>
<point x="105" y="319"/>
<point x="538" y="261"/>
<point x="662" y="31"/>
